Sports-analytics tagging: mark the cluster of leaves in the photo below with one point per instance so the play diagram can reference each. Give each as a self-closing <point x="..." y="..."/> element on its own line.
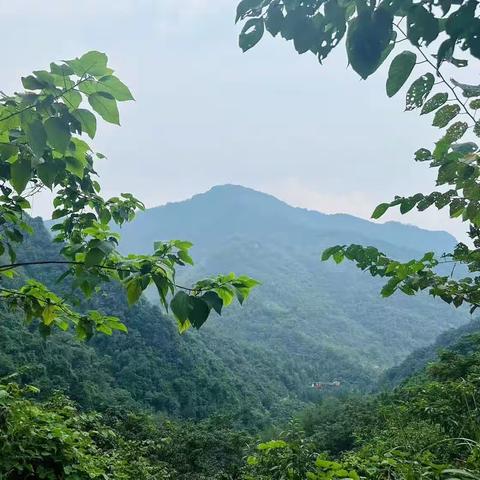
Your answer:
<point x="371" y="29"/>
<point x="42" y="145"/>
<point x="436" y="32"/>
<point x="54" y="440"/>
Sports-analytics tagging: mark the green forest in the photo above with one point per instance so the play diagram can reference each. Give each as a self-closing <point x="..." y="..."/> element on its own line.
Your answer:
<point x="130" y="350"/>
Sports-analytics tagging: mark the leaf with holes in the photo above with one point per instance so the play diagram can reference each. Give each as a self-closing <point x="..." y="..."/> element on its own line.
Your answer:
<point x="251" y="34"/>
<point x="433" y="103"/>
<point x="456" y="131"/>
<point x="418" y="91"/>
<point x="445" y="115"/>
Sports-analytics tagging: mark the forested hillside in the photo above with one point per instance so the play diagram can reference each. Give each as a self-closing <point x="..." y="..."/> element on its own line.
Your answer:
<point x="420" y="358"/>
<point x="304" y="308"/>
<point x="153" y="366"/>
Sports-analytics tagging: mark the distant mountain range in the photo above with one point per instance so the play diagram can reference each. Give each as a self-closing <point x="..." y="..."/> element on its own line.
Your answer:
<point x="309" y="321"/>
<point x="304" y="307"/>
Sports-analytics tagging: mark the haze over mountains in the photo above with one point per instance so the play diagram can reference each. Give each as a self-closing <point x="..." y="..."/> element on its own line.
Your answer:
<point x="304" y="307"/>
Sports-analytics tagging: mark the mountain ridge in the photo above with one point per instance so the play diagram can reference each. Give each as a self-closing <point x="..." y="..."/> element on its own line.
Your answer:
<point x="239" y="229"/>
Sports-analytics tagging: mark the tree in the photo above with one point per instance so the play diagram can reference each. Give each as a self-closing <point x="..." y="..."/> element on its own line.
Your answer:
<point x="436" y="31"/>
<point x="42" y="145"/>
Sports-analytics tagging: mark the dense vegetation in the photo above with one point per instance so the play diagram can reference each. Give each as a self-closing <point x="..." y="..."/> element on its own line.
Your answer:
<point x="427" y="428"/>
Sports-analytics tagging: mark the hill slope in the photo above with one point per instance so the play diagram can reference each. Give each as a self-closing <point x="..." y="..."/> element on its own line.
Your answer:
<point x="153" y="366"/>
<point x="304" y="307"/>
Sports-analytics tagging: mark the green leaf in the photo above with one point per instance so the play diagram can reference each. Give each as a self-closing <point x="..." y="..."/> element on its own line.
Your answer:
<point x="251" y="33"/>
<point x="247" y="6"/>
<point x="327" y="253"/>
<point x="419" y="90"/>
<point x="180" y="306"/>
<point x="433" y="103"/>
<point x="367" y="37"/>
<point x="20" y="172"/>
<point x="94" y="257"/>
<point x="72" y="98"/>
<point x="475" y="104"/>
<point x="32" y="83"/>
<point x="445" y="115"/>
<point x="467" y="90"/>
<point x="199" y="312"/>
<point x="75" y="165"/>
<point x="134" y="291"/>
<point x="106" y="106"/>
<point x="380" y="210"/>
<point x="399" y="71"/>
<point x="36" y="137"/>
<point x="92" y="63"/>
<point x="275" y="19"/>
<point x="58" y="133"/>
<point x="213" y="301"/>
<point x="421" y="25"/>
<point x="48" y="171"/>
<point x="87" y="120"/>
<point x="456" y="131"/>
<point x="116" y="88"/>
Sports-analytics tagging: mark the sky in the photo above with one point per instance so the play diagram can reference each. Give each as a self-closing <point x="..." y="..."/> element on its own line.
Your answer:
<point x="315" y="136"/>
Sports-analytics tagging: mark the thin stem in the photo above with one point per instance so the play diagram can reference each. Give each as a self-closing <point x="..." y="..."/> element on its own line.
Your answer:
<point x="12" y="266"/>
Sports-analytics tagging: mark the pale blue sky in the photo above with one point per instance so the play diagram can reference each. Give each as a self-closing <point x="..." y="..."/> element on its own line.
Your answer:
<point x="206" y="114"/>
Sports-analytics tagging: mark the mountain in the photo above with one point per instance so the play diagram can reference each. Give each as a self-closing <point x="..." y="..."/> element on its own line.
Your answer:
<point x="305" y="308"/>
<point x="153" y="367"/>
<point x="309" y="321"/>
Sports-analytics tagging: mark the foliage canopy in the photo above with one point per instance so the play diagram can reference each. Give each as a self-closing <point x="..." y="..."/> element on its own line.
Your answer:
<point x="42" y="145"/>
<point x="437" y="33"/>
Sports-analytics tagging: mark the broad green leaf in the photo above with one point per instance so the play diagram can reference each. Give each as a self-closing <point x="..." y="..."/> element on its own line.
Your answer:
<point x="87" y="120"/>
<point x="94" y="257"/>
<point x="275" y="19"/>
<point x="180" y="306"/>
<point x="36" y="137"/>
<point x="327" y="253"/>
<point x="213" y="301"/>
<point x="32" y="83"/>
<point x="367" y="37"/>
<point x="92" y="63"/>
<point x="199" y="312"/>
<point x="48" y="171"/>
<point x="418" y="91"/>
<point x="75" y="165"/>
<point x="444" y="115"/>
<point x="106" y="106"/>
<point x="380" y="210"/>
<point x="58" y="133"/>
<point x="116" y="88"/>
<point x="251" y="33"/>
<point x="134" y="291"/>
<point x="72" y="98"/>
<point x="433" y="103"/>
<point x="399" y="71"/>
<point x="421" y="25"/>
<point x="21" y="172"/>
